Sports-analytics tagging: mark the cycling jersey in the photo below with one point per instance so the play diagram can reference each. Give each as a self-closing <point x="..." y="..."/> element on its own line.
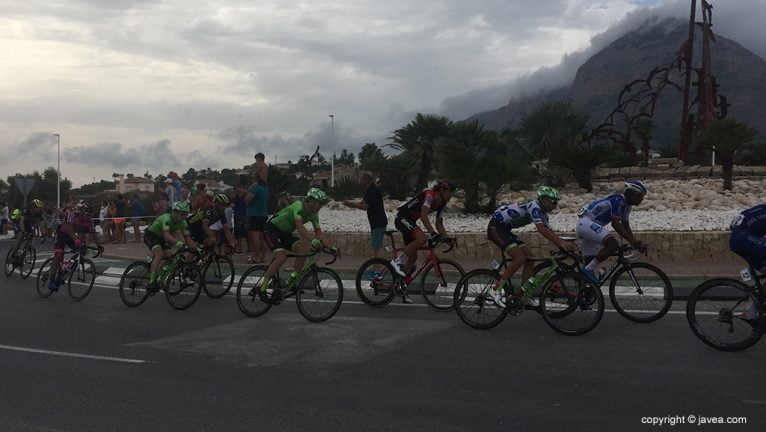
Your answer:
<point x="83" y="224"/>
<point x="286" y="218"/>
<point x="210" y="213"/>
<point x="414" y="207"/>
<point x="602" y="211"/>
<point x="164" y="222"/>
<point x="31" y="219"/>
<point x="752" y="220"/>
<point x="521" y="213"/>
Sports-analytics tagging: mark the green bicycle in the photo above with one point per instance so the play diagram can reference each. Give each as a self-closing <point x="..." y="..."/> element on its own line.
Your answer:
<point x="569" y="303"/>
<point x="318" y="290"/>
<point x="181" y="281"/>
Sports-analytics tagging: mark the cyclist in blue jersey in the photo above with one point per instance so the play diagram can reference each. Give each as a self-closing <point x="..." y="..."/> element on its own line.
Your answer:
<point x="591" y="226"/>
<point x="748" y="240"/>
<point x="515" y="215"/>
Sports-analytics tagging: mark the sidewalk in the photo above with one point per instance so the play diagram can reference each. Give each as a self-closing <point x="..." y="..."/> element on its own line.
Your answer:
<point x="698" y="269"/>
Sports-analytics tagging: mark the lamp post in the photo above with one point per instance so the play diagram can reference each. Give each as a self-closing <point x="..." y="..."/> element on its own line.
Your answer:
<point x="332" y="142"/>
<point x="58" y="171"/>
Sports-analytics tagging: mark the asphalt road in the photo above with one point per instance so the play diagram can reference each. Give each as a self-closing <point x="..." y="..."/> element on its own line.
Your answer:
<point x="100" y="366"/>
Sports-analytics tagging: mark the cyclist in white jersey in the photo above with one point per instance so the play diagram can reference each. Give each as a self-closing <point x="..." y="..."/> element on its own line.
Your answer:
<point x="614" y="210"/>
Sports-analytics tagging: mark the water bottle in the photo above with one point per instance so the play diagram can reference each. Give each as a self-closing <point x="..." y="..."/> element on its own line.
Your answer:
<point x="530" y="286"/>
<point x="149" y="258"/>
<point x="65" y="266"/>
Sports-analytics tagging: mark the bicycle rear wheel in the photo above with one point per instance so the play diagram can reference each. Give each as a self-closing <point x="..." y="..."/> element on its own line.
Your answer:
<point x="184" y="285"/>
<point x="218" y="276"/>
<point x="27" y="261"/>
<point x="248" y="299"/>
<point x="44" y="276"/>
<point x="319" y="294"/>
<point x="10" y="265"/>
<point x="84" y="277"/>
<point x="718" y="312"/>
<point x="570" y="304"/>
<point x="376" y="282"/>
<point x="438" y="284"/>
<point x="641" y="292"/>
<point x="473" y="303"/>
<point x="134" y="284"/>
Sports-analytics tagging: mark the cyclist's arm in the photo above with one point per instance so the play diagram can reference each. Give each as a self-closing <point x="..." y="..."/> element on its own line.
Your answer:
<point x="229" y="236"/>
<point x="623" y="229"/>
<point x="424" y="212"/>
<point x="169" y="237"/>
<point x="21" y="224"/>
<point x="551" y="236"/>
<point x="361" y="205"/>
<point x="440" y="226"/>
<point x="206" y="229"/>
<point x="189" y="242"/>
<point x="323" y="238"/>
<point x="302" y="231"/>
<point x="68" y="230"/>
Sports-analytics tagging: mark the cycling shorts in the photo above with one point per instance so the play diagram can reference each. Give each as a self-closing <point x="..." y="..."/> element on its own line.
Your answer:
<point x="151" y="240"/>
<point x="278" y="240"/>
<point x="408" y="227"/>
<point x="501" y="235"/>
<point x="592" y="235"/>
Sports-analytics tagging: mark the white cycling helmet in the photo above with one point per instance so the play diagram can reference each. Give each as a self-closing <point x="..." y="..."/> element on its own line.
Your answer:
<point x="636" y="186"/>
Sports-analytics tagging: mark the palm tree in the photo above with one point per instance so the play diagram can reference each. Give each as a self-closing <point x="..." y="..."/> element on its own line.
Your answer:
<point x="550" y="125"/>
<point x="419" y="140"/>
<point x="726" y="137"/>
<point x="644" y="129"/>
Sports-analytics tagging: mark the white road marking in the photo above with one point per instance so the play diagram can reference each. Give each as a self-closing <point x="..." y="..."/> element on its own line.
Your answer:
<point x="69" y="354"/>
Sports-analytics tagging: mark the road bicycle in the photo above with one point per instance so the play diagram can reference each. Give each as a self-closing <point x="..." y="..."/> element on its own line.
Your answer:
<point x="569" y="303"/>
<point x="78" y="268"/>
<point x="23" y="257"/>
<point x="639" y="291"/>
<point x="217" y="273"/>
<point x="318" y="290"/>
<point x="178" y="277"/>
<point x="377" y="283"/>
<point x="727" y="314"/>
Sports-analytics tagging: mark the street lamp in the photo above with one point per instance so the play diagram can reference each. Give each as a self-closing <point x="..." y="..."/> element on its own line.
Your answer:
<point x="58" y="171"/>
<point x="332" y="142"/>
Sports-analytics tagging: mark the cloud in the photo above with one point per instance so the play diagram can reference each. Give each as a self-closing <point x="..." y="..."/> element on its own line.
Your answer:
<point x="156" y="155"/>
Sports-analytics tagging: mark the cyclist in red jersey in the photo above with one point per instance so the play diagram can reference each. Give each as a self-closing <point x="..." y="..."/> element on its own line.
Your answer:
<point x="419" y="208"/>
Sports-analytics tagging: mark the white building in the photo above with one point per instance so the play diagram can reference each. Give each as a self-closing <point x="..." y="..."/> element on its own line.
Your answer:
<point x="134" y="184"/>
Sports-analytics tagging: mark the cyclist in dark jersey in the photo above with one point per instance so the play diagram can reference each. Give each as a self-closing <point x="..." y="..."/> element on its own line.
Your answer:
<point x="76" y="221"/>
<point x="29" y="218"/>
<point x="418" y="209"/>
<point x="203" y="223"/>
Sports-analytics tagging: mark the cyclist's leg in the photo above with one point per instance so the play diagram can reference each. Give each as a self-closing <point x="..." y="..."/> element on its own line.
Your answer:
<point x="596" y="241"/>
<point x="752" y="249"/>
<point x="502" y="236"/>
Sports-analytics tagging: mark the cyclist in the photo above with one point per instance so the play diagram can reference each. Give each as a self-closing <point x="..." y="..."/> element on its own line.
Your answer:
<point x="76" y="220"/>
<point x="161" y="237"/>
<point x="278" y="236"/>
<point x="748" y="240"/>
<point x="28" y="221"/>
<point x="418" y="209"/>
<point x="209" y="220"/>
<point x="516" y="215"/>
<point x="83" y="223"/>
<point x="614" y="209"/>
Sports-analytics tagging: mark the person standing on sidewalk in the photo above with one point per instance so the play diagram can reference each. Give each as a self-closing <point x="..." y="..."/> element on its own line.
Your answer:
<point x="240" y="212"/>
<point x="376" y="214"/>
<point x="137" y="213"/>
<point x="257" y="212"/>
<point x="170" y="191"/>
<point x="4" y="216"/>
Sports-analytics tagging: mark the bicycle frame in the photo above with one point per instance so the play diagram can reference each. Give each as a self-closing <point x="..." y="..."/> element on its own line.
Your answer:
<point x="431" y="258"/>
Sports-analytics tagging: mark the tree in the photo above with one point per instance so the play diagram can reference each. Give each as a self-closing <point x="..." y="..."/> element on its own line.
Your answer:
<point x="395" y="176"/>
<point x="550" y="125"/>
<point x="346" y="158"/>
<point x="190" y="175"/>
<point x="45" y="188"/>
<point x="419" y="140"/>
<point x="581" y="158"/>
<point x="371" y="158"/>
<point x="644" y="130"/>
<point x="727" y="138"/>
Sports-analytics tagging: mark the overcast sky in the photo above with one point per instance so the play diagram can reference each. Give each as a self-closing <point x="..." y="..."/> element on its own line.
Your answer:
<point x="159" y="85"/>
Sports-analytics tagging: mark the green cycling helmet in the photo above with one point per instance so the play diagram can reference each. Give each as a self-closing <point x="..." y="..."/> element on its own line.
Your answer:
<point x="548" y="192"/>
<point x="181" y="206"/>
<point x="317" y="194"/>
<point x="221" y="199"/>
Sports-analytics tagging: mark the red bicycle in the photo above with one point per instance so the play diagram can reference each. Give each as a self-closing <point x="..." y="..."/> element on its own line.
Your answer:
<point x="377" y="283"/>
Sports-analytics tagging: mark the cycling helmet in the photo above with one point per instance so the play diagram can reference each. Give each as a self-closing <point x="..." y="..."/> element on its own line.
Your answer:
<point x="82" y="206"/>
<point x="445" y="184"/>
<point x="37" y="203"/>
<point x="181" y="206"/>
<point x="317" y="194"/>
<point x="636" y="186"/>
<point x="221" y="199"/>
<point x="548" y="192"/>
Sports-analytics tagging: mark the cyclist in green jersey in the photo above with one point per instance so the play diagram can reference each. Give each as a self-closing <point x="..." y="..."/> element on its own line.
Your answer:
<point x="161" y="237"/>
<point x="278" y="236"/>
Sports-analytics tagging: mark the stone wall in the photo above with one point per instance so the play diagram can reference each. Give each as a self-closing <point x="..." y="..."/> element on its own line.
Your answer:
<point x="663" y="246"/>
<point x="677" y="172"/>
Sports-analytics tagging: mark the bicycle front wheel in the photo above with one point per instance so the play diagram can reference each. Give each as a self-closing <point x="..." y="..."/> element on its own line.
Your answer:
<point x="134" y="284"/>
<point x="376" y="282"/>
<point x="84" y="277"/>
<point x="184" y="285"/>
<point x="218" y="277"/>
<point x="641" y="292"/>
<point x="249" y="299"/>
<point x="27" y="262"/>
<point x="10" y="257"/>
<point x="319" y="294"/>
<point x="726" y="314"/>
<point x="570" y="304"/>
<point x="44" y="277"/>
<point x="439" y="282"/>
<point x="473" y="303"/>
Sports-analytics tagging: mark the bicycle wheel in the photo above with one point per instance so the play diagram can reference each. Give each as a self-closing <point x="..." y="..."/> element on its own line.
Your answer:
<point x="718" y="312"/>
<point x="134" y="284"/>
<point x="641" y="292"/>
<point x="218" y="276"/>
<point x="248" y="287"/>
<point x="376" y="282"/>
<point x="10" y="265"/>
<point x="473" y="303"/>
<point x="438" y="284"/>
<point x="84" y="277"/>
<point x="43" y="278"/>
<point x="319" y="294"/>
<point x="570" y="304"/>
<point x="27" y="261"/>
<point x="184" y="285"/>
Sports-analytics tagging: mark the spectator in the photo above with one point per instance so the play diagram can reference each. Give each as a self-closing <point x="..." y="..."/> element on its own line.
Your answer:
<point x="257" y="212"/>
<point x="161" y="205"/>
<point x="4" y="217"/>
<point x="284" y="200"/>
<point x="137" y="212"/>
<point x="176" y="181"/>
<point x="261" y="170"/>
<point x="119" y="219"/>
<point x="106" y="223"/>
<point x="376" y="213"/>
<point x="15" y="219"/>
<point x="200" y="198"/>
<point x="240" y="212"/>
<point x="170" y="191"/>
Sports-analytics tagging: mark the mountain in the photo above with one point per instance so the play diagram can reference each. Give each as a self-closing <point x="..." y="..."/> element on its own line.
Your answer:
<point x="740" y="74"/>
